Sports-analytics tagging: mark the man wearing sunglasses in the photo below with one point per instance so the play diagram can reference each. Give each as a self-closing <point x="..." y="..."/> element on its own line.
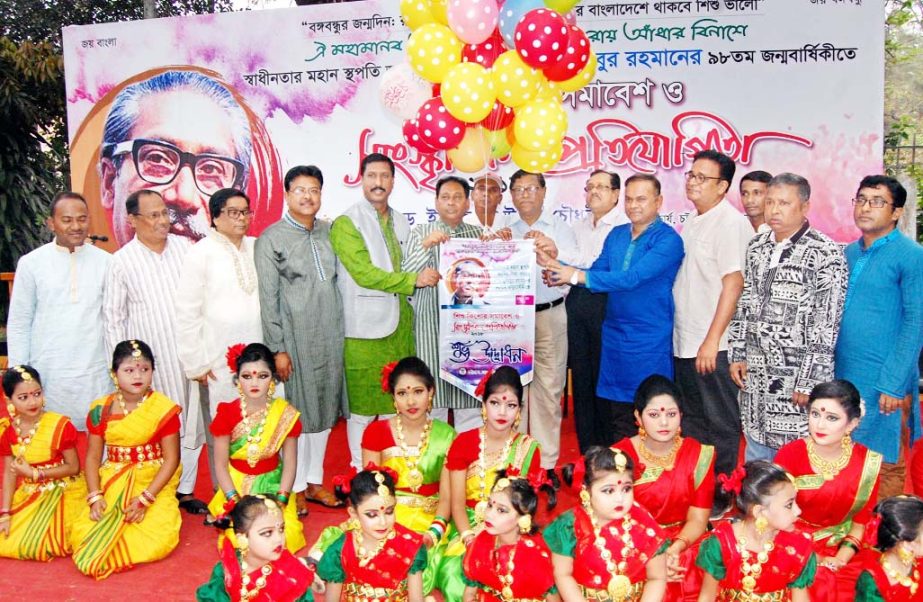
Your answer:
<point x="181" y="134"/>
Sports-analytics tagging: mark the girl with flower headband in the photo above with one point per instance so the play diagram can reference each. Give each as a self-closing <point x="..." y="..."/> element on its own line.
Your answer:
<point x="508" y="560"/>
<point x="415" y="446"/>
<point x="132" y="515"/>
<point x="892" y="571"/>
<point x="42" y="489"/>
<point x="761" y="557"/>
<point x="251" y="434"/>
<point x="473" y="461"/>
<point x="837" y="481"/>
<point x="376" y="559"/>
<point x="608" y="547"/>
<point x="258" y="568"/>
<point x="677" y="485"/>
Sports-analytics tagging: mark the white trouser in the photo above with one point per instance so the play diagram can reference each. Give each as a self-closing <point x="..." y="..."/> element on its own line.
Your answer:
<point x="355" y="427"/>
<point x="312" y="447"/>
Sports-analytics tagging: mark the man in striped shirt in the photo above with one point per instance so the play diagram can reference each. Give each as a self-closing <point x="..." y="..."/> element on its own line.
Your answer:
<point x="138" y="303"/>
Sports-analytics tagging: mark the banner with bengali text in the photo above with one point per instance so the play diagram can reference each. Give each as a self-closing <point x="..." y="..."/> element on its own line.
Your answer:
<point x="780" y="85"/>
<point x="486" y="309"/>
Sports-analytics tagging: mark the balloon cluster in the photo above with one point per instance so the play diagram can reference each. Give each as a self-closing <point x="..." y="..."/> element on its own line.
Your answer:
<point x="493" y="77"/>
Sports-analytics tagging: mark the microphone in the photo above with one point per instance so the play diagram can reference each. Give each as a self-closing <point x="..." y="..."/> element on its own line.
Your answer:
<point x="99" y="238"/>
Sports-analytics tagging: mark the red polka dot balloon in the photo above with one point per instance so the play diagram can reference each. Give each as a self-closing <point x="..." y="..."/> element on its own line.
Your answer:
<point x="436" y="126"/>
<point x="486" y="52"/>
<point x="500" y="117"/>
<point x="541" y="38"/>
<point x="576" y="56"/>
<point x="412" y="136"/>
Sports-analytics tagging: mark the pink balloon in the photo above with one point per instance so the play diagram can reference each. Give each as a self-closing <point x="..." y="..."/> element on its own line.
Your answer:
<point x="500" y="117"/>
<point x="412" y="136"/>
<point x="486" y="52"/>
<point x="436" y="126"/>
<point x="575" y="58"/>
<point x="541" y="38"/>
<point x="473" y="20"/>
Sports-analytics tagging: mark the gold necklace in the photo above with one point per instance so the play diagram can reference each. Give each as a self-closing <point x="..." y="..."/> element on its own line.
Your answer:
<point x="752" y="571"/>
<point x="414" y="476"/>
<point x="665" y="461"/>
<point x="245" y="592"/>
<point x="910" y="580"/>
<point x="480" y="509"/>
<point x="121" y="401"/>
<point x="825" y="467"/>
<point x="506" y="581"/>
<point x="25" y="440"/>
<point x="253" y="440"/>
<point x="364" y="556"/>
<point x="619" y="586"/>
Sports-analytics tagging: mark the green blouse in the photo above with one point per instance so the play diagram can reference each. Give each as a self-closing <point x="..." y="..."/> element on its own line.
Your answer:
<point x="214" y="590"/>
<point x="710" y="561"/>
<point x="561" y="539"/>
<point x="330" y="567"/>
<point x="867" y="589"/>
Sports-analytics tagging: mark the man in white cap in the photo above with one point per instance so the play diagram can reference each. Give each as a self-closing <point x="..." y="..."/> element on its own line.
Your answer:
<point x="486" y="195"/>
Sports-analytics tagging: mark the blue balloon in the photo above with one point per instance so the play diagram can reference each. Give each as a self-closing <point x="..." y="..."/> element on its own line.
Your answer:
<point x="511" y="13"/>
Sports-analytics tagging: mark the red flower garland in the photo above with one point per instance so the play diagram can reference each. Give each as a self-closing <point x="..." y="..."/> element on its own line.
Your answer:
<point x="386" y="371"/>
<point x="482" y="385"/>
<point x="233" y="356"/>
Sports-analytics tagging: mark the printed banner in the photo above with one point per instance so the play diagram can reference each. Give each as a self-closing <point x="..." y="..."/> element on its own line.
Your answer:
<point x="486" y="309"/>
<point x="238" y="98"/>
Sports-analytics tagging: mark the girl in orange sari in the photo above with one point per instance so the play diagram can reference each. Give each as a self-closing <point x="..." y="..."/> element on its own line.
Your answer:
<point x="132" y="515"/>
<point x="892" y="572"/>
<point x="677" y="485"/>
<point x="39" y="451"/>
<point x="837" y="483"/>
<point x="251" y="433"/>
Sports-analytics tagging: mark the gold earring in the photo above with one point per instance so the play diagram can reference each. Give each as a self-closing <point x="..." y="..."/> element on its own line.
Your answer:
<point x="525" y="523"/>
<point x="240" y="391"/>
<point x="641" y="432"/>
<point x="484" y="413"/>
<point x="761" y="524"/>
<point x="585" y="497"/>
<point x="272" y="389"/>
<point x="905" y="555"/>
<point x="353" y="524"/>
<point x="516" y="421"/>
<point x="11" y="409"/>
<point x="847" y="439"/>
<point x="243" y="543"/>
<point x="115" y="380"/>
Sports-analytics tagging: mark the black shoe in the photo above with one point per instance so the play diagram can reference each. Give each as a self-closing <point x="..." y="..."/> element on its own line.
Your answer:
<point x="191" y="504"/>
<point x="553" y="477"/>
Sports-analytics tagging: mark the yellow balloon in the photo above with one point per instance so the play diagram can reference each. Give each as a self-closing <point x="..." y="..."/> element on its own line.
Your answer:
<point x="432" y="50"/>
<point x="499" y="143"/>
<point x="468" y="92"/>
<point x="515" y="82"/>
<point x="561" y="6"/>
<point x="416" y="13"/>
<point x="472" y="152"/>
<point x="550" y="90"/>
<point x="585" y="76"/>
<point x="540" y="124"/>
<point x="441" y="11"/>
<point x="538" y="161"/>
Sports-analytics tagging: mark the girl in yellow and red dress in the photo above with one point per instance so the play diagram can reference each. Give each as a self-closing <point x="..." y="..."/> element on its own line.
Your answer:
<point x="761" y="556"/>
<point x="259" y="568"/>
<point x="837" y="482"/>
<point x="609" y="547"/>
<point x="375" y="559"/>
<point x="508" y="560"/>
<point x="39" y="451"/>
<point x="892" y="572"/>
<point x="677" y="485"/>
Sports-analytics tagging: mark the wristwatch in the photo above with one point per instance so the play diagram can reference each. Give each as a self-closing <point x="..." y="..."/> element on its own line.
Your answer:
<point x="574" y="278"/>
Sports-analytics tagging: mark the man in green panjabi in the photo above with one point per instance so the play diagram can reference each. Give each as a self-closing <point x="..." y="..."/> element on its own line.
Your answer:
<point x="368" y="240"/>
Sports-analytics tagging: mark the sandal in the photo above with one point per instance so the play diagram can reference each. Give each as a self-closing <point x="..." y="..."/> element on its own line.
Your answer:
<point x="318" y="495"/>
<point x="191" y="504"/>
<point x="302" y="505"/>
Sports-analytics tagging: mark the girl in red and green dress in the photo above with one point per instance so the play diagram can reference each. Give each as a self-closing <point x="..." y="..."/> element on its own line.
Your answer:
<point x="891" y="573"/>
<point x="376" y="559"/>
<point x="760" y="556"/>
<point x="677" y="485"/>
<point x="508" y="560"/>
<point x="837" y="482"/>
<point x="608" y="547"/>
<point x="258" y="568"/>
